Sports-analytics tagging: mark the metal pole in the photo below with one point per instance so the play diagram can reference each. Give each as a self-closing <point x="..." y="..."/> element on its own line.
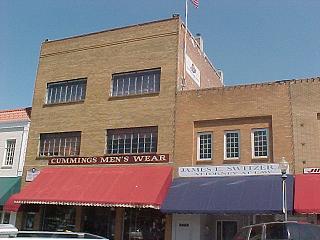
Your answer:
<point x="185" y="45"/>
<point x="284" y="197"/>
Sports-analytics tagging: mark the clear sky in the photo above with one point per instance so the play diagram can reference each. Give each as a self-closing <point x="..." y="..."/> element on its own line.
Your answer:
<point x="250" y="40"/>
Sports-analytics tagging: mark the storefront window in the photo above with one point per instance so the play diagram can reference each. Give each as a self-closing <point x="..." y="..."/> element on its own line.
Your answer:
<point x="99" y="221"/>
<point x="146" y="224"/>
<point x="59" y="218"/>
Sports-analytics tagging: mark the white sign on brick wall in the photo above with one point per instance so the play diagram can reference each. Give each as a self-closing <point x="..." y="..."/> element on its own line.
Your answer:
<point x="230" y="170"/>
<point x="192" y="70"/>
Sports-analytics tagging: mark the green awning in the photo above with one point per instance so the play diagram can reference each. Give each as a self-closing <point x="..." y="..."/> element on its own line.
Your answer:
<point x="8" y="186"/>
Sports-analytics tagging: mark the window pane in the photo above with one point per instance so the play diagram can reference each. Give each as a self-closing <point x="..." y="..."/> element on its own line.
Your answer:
<point x="260" y="141"/>
<point x="232" y="145"/>
<point x="205" y="146"/>
<point x="67" y="91"/>
<point x="60" y="144"/>
<point x="147" y="81"/>
<point x="132" y="140"/>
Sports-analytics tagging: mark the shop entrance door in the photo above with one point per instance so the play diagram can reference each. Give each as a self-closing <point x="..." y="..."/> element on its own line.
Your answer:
<point x="226" y="229"/>
<point x="183" y="230"/>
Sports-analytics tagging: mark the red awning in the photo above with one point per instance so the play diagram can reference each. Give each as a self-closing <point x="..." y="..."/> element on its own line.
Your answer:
<point x="105" y="186"/>
<point x="10" y="206"/>
<point x="307" y="194"/>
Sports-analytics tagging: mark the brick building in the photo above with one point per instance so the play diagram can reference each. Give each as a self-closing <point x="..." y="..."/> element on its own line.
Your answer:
<point x="115" y="116"/>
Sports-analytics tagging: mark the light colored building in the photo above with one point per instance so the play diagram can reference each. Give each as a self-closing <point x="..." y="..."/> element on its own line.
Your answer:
<point x="14" y="129"/>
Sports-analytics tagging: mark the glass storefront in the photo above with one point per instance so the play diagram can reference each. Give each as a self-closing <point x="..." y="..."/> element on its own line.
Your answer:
<point x="99" y="221"/>
<point x="146" y="224"/>
<point x="58" y="218"/>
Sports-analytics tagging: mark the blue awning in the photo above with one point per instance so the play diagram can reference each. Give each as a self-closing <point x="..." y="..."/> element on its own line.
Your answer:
<point x="228" y="195"/>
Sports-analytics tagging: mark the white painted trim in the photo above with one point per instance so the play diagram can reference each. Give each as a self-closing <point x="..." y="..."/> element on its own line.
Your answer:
<point x="225" y="145"/>
<point x="198" y="146"/>
<point x="252" y="143"/>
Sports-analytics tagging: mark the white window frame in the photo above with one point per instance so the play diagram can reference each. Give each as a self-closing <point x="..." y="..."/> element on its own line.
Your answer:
<point x="198" y="146"/>
<point x="5" y="159"/>
<point x="252" y="142"/>
<point x="225" y="145"/>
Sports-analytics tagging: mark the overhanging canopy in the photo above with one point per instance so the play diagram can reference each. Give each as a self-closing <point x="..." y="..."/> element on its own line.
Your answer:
<point x="105" y="186"/>
<point x="228" y="195"/>
<point x="8" y="186"/>
<point x="306" y="193"/>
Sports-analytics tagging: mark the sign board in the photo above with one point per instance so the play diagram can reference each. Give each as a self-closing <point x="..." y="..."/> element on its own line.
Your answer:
<point x="32" y="174"/>
<point x="230" y="170"/>
<point x="110" y="159"/>
<point x="192" y="70"/>
<point x="311" y="170"/>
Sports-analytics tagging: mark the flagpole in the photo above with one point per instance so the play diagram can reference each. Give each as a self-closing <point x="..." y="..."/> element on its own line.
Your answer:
<point x="185" y="45"/>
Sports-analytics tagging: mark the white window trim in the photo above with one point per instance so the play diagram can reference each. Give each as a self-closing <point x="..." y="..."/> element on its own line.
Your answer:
<point x="198" y="146"/>
<point x="252" y="143"/>
<point x="4" y="165"/>
<point x="225" y="145"/>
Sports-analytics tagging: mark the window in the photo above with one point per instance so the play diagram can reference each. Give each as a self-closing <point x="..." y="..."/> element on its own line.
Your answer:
<point x="256" y="233"/>
<point x="9" y="152"/>
<point x="66" y="91"/>
<point x="231" y="145"/>
<point x="204" y="146"/>
<point x="60" y="144"/>
<point x="259" y="143"/>
<point x="226" y="229"/>
<point x="132" y="140"/>
<point x="134" y="83"/>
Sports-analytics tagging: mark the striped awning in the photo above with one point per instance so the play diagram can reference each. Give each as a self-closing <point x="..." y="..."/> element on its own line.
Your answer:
<point x="143" y="187"/>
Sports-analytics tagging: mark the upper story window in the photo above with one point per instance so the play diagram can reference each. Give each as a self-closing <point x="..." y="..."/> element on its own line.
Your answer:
<point x="66" y="91"/>
<point x="132" y="140"/>
<point x="60" y="144"/>
<point x="134" y="83"/>
<point x="204" y="146"/>
<point x="231" y="145"/>
<point x="9" y="152"/>
<point x="260" y="146"/>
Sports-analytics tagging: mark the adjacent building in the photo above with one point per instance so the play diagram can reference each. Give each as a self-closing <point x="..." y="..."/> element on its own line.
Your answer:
<point x="14" y="128"/>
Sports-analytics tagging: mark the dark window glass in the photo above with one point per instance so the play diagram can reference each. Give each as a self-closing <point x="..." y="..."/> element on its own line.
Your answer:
<point x="59" y="218"/>
<point x="133" y="83"/>
<point x="132" y="140"/>
<point x="276" y="231"/>
<point x="66" y="91"/>
<point x="256" y="233"/>
<point x="143" y="223"/>
<point x="242" y="234"/>
<point x="60" y="144"/>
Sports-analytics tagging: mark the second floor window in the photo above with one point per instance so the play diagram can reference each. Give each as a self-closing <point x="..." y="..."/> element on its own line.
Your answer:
<point x="204" y="143"/>
<point x="231" y="145"/>
<point x="132" y="140"/>
<point x="134" y="83"/>
<point x="9" y="152"/>
<point x="66" y="91"/>
<point x="60" y="144"/>
<point x="260" y="143"/>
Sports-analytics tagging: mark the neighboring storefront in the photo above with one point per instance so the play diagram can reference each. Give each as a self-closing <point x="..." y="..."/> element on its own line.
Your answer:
<point x="14" y="129"/>
<point x="307" y="195"/>
<point x="111" y="201"/>
<point x="213" y="202"/>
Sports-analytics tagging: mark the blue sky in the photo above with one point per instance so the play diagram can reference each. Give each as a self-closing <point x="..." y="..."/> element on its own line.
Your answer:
<point x="250" y="40"/>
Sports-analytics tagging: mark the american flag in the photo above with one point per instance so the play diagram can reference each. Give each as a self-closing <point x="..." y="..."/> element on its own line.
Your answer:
<point x="195" y="3"/>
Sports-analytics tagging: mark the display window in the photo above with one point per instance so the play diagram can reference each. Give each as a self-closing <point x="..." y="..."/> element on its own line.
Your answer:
<point x="58" y="218"/>
<point x="146" y="224"/>
<point x="99" y="221"/>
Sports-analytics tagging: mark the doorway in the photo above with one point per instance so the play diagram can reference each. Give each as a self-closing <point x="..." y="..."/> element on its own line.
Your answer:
<point x="226" y="229"/>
